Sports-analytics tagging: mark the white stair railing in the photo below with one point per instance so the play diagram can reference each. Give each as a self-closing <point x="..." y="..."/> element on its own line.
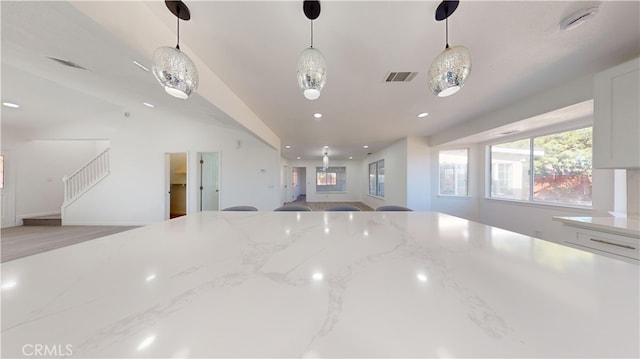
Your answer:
<point x="86" y="177"/>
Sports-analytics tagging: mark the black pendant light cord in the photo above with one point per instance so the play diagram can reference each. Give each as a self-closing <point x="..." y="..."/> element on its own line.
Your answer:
<point x="311" y="33"/>
<point x="447" y="31"/>
<point x="178" y="19"/>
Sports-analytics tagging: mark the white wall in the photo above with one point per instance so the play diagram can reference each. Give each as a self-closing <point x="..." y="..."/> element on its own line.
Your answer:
<point x="354" y="181"/>
<point x="566" y="94"/>
<point x="121" y="19"/>
<point x="134" y="192"/>
<point x="525" y="218"/>
<point x="419" y="181"/>
<point x="411" y="171"/>
<point x="35" y="169"/>
<point x="395" y="175"/>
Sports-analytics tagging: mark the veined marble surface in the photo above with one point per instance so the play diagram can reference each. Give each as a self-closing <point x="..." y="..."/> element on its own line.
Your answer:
<point x="319" y="285"/>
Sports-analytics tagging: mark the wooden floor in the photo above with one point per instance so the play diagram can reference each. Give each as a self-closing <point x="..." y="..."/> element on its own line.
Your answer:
<point x="323" y="206"/>
<point x="23" y="241"/>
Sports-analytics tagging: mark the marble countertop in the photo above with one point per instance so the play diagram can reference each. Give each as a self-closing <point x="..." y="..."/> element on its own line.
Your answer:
<point x="617" y="225"/>
<point x="319" y="285"/>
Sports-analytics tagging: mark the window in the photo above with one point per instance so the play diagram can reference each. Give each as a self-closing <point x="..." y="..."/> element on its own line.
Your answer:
<point x="510" y="170"/>
<point x="453" y="172"/>
<point x="561" y="165"/>
<point x="334" y="179"/>
<point x="376" y="178"/>
<point x="562" y="168"/>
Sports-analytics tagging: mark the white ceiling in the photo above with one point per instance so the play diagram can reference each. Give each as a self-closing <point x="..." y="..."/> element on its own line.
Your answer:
<point x="517" y="50"/>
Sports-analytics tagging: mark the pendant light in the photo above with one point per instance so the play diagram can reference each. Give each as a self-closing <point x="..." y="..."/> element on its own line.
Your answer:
<point x="311" y="68"/>
<point x="450" y="69"/>
<point x="325" y="160"/>
<point x="171" y="67"/>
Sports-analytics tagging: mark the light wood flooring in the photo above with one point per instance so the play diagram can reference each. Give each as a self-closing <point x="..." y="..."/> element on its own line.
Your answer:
<point x="23" y="241"/>
<point x="323" y="206"/>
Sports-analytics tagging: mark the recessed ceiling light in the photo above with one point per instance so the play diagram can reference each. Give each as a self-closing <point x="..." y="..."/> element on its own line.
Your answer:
<point x="326" y="146"/>
<point x="10" y="104"/>
<point x="423" y="114"/>
<point x="350" y="157"/>
<point x="140" y="65"/>
<point x="365" y="146"/>
<point x="148" y="104"/>
<point x="298" y="157"/>
<point x="287" y="146"/>
<point x="317" y="115"/>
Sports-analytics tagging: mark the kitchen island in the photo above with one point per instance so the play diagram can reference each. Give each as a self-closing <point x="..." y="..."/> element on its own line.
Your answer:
<point x="320" y="284"/>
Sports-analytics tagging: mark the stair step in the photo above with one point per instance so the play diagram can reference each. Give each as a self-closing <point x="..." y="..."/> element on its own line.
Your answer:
<point x="52" y="220"/>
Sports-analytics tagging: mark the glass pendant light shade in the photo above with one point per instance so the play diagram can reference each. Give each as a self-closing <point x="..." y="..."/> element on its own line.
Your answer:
<point x="311" y="72"/>
<point x="175" y="71"/>
<point x="449" y="71"/>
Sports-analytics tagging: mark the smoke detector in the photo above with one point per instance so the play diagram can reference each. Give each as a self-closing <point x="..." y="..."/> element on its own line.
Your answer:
<point x="579" y="17"/>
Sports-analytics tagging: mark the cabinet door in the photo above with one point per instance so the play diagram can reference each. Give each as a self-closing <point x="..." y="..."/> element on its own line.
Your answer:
<point x="616" y="124"/>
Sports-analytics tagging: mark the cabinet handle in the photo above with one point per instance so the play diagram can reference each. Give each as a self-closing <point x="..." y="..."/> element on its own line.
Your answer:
<point x="613" y="244"/>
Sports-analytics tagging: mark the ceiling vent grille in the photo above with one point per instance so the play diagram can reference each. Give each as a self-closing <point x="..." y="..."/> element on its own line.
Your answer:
<point x="66" y="63"/>
<point x="400" y="76"/>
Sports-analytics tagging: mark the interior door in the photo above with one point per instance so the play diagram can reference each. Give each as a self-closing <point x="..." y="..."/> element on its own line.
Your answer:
<point x="209" y="178"/>
<point x="286" y="183"/>
<point x="7" y="191"/>
<point x="175" y="185"/>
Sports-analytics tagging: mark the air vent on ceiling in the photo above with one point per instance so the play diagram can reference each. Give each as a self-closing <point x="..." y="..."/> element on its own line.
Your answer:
<point x="66" y="63"/>
<point x="509" y="132"/>
<point x="579" y="17"/>
<point x="400" y="76"/>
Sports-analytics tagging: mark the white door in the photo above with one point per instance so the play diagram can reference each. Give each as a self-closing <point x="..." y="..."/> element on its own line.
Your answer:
<point x="7" y="191"/>
<point x="209" y="179"/>
<point x="286" y="184"/>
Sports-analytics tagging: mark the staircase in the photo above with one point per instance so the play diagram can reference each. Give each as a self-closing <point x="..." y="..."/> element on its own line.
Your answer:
<point x="86" y="177"/>
<point x="52" y="220"/>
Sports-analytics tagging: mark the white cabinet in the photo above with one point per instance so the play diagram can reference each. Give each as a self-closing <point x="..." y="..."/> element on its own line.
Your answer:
<point x="616" y="117"/>
<point x="612" y="237"/>
<point x="608" y="244"/>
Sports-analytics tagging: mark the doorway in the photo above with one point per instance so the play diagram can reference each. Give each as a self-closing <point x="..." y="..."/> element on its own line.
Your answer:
<point x="300" y="183"/>
<point x="209" y="181"/>
<point x="175" y="185"/>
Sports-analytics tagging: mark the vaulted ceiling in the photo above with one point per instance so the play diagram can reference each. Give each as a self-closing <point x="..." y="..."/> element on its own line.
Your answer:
<point x="517" y="48"/>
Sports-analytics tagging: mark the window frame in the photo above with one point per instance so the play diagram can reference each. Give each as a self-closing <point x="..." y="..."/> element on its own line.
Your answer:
<point x="376" y="177"/>
<point x="531" y="182"/>
<point x="338" y="171"/>
<point x="467" y="175"/>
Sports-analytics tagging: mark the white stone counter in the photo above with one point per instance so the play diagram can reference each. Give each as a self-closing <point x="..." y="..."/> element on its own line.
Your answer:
<point x="320" y="284"/>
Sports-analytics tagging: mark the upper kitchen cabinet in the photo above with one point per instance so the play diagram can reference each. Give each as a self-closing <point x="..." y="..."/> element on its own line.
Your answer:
<point x="616" y="123"/>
